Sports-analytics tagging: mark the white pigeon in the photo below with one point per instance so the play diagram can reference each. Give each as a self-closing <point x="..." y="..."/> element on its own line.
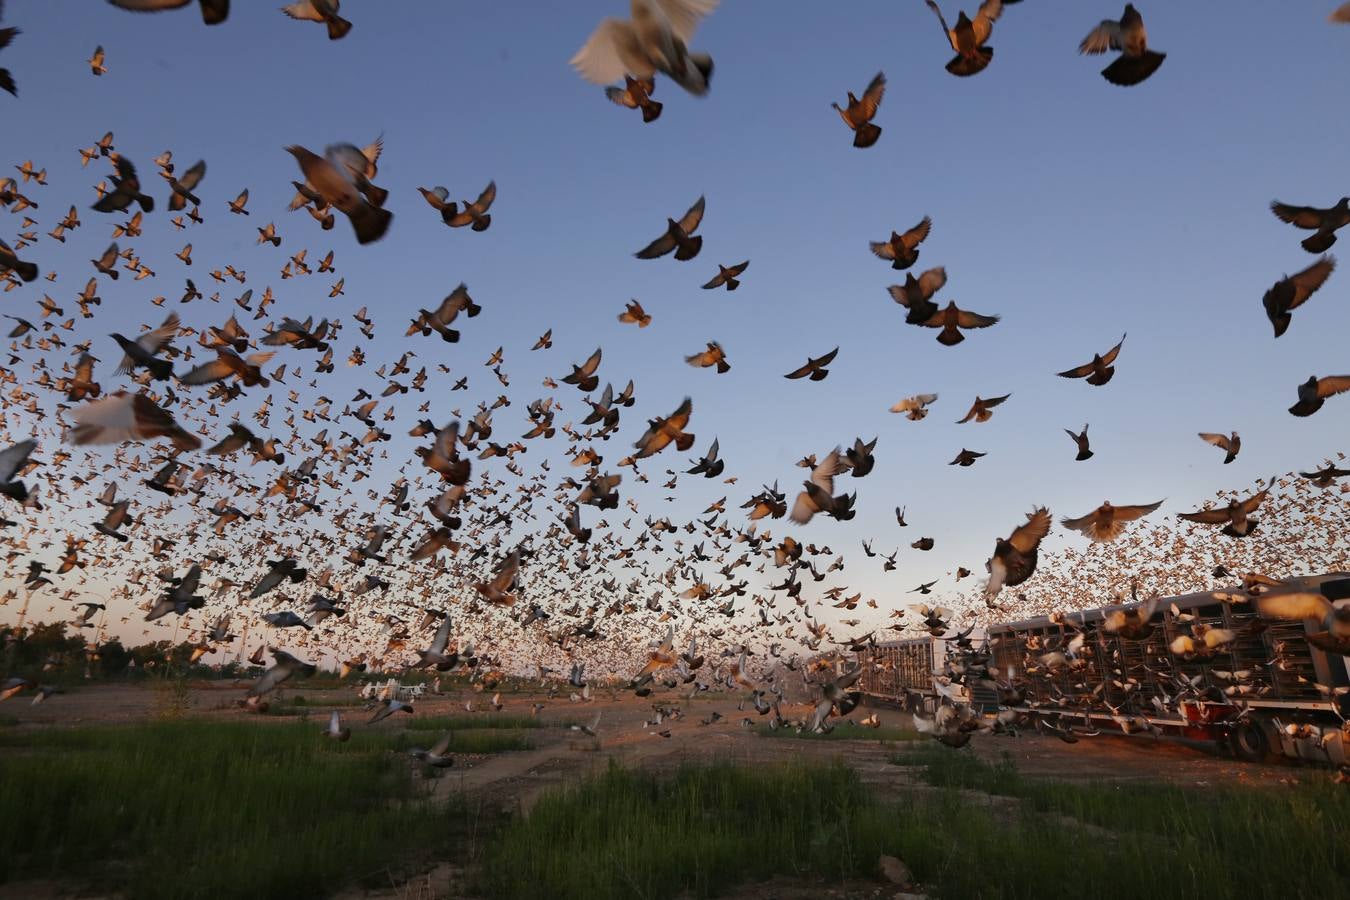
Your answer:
<point x="335" y="729"/>
<point x="653" y="40"/>
<point x="591" y="728"/>
<point x="121" y="416"/>
<point x="916" y="407"/>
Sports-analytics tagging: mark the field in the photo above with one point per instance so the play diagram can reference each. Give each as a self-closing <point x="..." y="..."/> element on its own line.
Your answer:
<point x="113" y="786"/>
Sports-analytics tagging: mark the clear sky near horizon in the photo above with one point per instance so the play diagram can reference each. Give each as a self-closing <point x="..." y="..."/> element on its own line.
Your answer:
<point x="1074" y="209"/>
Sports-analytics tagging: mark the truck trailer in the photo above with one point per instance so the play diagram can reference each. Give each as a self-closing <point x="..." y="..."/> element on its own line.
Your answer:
<point x="1267" y="693"/>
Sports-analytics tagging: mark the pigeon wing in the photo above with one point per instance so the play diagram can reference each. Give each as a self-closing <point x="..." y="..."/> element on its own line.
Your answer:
<point x="612" y="51"/>
<point x="1101" y="39"/>
<point x="1027" y="537"/>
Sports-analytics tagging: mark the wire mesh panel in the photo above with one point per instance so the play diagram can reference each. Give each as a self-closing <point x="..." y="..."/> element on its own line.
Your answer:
<point x="1291" y="671"/>
<point x="896" y="667"/>
<point x="914" y="665"/>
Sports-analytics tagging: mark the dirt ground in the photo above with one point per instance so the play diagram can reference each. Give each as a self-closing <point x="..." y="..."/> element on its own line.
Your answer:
<point x="513" y="781"/>
<point x="623" y="735"/>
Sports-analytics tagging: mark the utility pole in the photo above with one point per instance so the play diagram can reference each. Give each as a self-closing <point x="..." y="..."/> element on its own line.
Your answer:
<point x="27" y="598"/>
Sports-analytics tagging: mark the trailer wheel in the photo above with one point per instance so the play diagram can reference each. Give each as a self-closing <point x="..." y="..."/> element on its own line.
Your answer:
<point x="1250" y="743"/>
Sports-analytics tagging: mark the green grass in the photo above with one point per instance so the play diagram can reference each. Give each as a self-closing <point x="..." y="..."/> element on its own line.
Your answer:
<point x="313" y="705"/>
<point x="200" y="808"/>
<point x="625" y="834"/>
<point x="325" y="699"/>
<point x="470" y="734"/>
<point x="191" y="808"/>
<point x="1217" y="841"/>
<point x="485" y="720"/>
<point x="465" y="740"/>
<point x="701" y="829"/>
<point x="842" y="733"/>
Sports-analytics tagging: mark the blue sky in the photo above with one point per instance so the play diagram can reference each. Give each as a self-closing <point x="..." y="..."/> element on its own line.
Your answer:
<point x="1074" y="209"/>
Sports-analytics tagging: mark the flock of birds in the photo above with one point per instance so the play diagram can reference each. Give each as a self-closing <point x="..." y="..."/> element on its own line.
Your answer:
<point x="231" y="497"/>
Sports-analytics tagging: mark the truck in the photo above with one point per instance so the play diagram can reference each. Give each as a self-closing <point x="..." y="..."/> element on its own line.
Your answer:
<point x="904" y="671"/>
<point x="1267" y="693"/>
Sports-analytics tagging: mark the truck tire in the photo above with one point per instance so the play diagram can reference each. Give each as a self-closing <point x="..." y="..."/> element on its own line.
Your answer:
<point x="1251" y="743"/>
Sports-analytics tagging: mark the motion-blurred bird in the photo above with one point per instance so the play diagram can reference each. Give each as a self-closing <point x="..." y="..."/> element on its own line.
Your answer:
<point x="1107" y="522"/>
<point x="583" y="376"/>
<point x="183" y="187"/>
<point x="714" y="355"/>
<point x="1325" y="476"/>
<point x="438" y="756"/>
<point x="1292" y="291"/>
<point x="335" y="729"/>
<point x="335" y="181"/>
<point x="1322" y="222"/>
<point x="144" y="351"/>
<point x="284" y="668"/>
<point x="1136" y="62"/>
<point x="121" y="416"/>
<point x="916" y="294"/>
<point x="13" y="460"/>
<point x="1236" y="516"/>
<point x="634" y="314"/>
<point x="902" y="250"/>
<point x="1081" y="440"/>
<point x="637" y="94"/>
<point x="473" y="214"/>
<point x="285" y="619"/>
<point x="859" y="457"/>
<point x="915" y="408"/>
<point x="968" y="37"/>
<point x="1315" y="391"/>
<point x="213" y="11"/>
<point x="7" y="35"/>
<point x="655" y="39"/>
<point x="498" y="590"/>
<point x="1014" y="559"/>
<point x="9" y="261"/>
<point x="456" y="302"/>
<point x="1333" y="617"/>
<point x="982" y="409"/>
<point x="710" y="465"/>
<point x="1230" y="444"/>
<point x="126" y="190"/>
<point x="389" y="706"/>
<point x="663" y="431"/>
<point x="325" y="11"/>
<point x="859" y="112"/>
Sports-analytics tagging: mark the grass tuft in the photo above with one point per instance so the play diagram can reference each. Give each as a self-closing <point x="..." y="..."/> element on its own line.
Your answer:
<point x="625" y="833"/>
<point x="1220" y="841"/>
<point x="702" y="829"/>
<point x="209" y="809"/>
